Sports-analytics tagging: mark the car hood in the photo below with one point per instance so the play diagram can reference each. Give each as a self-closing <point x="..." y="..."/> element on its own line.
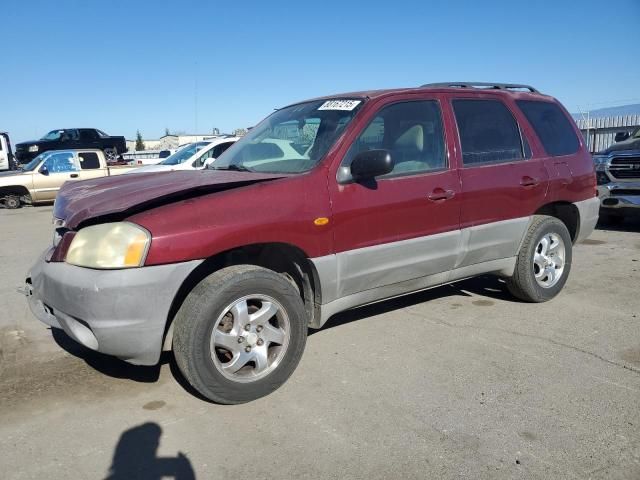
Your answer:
<point x="128" y="194"/>
<point x="12" y="173"/>
<point x="7" y="177"/>
<point x="629" y="144"/>
<point x="31" y="142"/>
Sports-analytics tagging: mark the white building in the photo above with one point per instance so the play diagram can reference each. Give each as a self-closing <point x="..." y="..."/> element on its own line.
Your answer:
<point x="168" y="142"/>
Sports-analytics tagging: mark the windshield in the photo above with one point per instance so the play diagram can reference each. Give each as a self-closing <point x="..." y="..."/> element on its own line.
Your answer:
<point x="53" y="135"/>
<point x="36" y="161"/>
<point x="184" y="154"/>
<point x="292" y="140"/>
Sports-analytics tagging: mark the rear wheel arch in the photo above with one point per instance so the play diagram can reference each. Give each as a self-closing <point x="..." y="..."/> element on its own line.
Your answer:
<point x="567" y="213"/>
<point x="286" y="259"/>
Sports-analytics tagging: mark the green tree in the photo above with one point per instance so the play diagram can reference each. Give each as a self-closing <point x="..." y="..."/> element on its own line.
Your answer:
<point x="139" y="142"/>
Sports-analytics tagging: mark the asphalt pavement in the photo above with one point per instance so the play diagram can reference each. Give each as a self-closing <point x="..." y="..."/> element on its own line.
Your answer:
<point x="461" y="381"/>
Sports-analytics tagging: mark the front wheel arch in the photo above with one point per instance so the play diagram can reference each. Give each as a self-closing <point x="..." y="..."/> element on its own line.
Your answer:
<point x="282" y="258"/>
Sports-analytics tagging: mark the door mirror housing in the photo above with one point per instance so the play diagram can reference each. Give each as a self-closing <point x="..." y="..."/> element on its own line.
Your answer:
<point x="371" y="163"/>
<point x="621" y="136"/>
<point x="44" y="170"/>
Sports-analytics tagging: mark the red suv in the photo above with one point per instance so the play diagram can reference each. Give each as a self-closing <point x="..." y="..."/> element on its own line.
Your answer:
<point x="325" y="205"/>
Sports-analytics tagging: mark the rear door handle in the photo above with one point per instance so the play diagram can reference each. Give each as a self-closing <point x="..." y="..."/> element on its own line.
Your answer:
<point x="529" y="181"/>
<point x="74" y="175"/>
<point x="440" y="194"/>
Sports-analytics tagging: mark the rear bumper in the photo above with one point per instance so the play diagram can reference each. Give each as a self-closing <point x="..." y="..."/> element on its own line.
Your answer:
<point x="117" y="312"/>
<point x="619" y="195"/>
<point x="589" y="212"/>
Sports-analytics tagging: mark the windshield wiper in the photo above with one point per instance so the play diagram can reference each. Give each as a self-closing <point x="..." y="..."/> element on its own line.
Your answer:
<point x="233" y="167"/>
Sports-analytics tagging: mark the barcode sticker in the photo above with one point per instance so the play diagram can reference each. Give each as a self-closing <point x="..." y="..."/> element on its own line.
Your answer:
<point x="346" y="105"/>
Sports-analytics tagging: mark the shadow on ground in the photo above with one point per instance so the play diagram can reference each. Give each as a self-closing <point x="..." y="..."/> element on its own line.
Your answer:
<point x="630" y="223"/>
<point x="136" y="457"/>
<point x="107" y="364"/>
<point x="485" y="285"/>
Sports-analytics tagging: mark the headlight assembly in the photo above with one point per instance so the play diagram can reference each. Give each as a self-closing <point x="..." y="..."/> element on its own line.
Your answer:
<point x="600" y="162"/>
<point x="109" y="246"/>
<point x="34" y="148"/>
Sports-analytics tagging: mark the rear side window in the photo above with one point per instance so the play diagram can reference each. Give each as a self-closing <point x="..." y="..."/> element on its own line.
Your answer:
<point x="488" y="132"/>
<point x="552" y="127"/>
<point x="89" y="160"/>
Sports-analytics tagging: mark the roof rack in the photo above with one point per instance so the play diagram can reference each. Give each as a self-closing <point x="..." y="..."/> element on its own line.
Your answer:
<point x="489" y="85"/>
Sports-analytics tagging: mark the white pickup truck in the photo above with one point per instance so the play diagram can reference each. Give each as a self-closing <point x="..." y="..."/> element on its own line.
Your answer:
<point x="6" y="156"/>
<point x="39" y="180"/>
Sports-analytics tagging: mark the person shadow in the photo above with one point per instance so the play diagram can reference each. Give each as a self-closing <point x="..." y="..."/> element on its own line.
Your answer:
<point x="135" y="457"/>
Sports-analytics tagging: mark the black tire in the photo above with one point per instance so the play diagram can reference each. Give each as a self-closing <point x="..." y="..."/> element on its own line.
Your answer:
<point x="198" y="315"/>
<point x="12" y="202"/>
<point x="523" y="284"/>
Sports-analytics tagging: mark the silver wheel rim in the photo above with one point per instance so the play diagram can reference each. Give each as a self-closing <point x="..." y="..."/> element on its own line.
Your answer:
<point x="110" y="154"/>
<point x="549" y="260"/>
<point x="250" y="338"/>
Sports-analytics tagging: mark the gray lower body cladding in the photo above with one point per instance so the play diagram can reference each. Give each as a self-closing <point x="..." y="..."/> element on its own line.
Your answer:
<point x="366" y="275"/>
<point x="118" y="312"/>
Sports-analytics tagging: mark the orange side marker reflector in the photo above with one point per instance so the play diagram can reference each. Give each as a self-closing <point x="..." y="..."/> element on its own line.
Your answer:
<point x="320" y="221"/>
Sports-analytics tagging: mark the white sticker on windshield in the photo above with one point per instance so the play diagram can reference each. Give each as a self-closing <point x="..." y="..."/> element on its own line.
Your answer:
<point x="347" y="105"/>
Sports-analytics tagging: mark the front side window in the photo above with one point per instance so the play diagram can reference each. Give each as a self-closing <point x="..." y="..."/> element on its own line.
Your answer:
<point x="488" y="132"/>
<point x="291" y="140"/>
<point x="213" y="152"/>
<point x="88" y="134"/>
<point x="411" y="131"/>
<point x="60" y="162"/>
<point x="552" y="127"/>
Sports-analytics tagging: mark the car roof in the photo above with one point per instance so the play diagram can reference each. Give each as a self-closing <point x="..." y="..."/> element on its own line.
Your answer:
<point x="499" y="89"/>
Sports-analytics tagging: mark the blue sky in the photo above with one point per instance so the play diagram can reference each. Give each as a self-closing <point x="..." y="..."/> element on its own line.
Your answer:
<point x="123" y="65"/>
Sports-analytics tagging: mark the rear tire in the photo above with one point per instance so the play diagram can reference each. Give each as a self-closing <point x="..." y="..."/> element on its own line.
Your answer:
<point x="544" y="261"/>
<point x="110" y="154"/>
<point x="12" y="202"/>
<point x="240" y="334"/>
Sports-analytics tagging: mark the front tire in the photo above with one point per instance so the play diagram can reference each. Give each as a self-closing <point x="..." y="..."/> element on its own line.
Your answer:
<point x="544" y="261"/>
<point x="240" y="334"/>
<point x="12" y="202"/>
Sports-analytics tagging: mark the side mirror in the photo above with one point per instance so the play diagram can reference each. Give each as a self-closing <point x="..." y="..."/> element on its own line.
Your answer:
<point x="621" y="136"/>
<point x="371" y="164"/>
<point x="44" y="170"/>
<point x="209" y="161"/>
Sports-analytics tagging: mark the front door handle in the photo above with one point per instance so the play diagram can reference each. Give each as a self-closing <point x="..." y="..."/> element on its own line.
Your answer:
<point x="528" y="181"/>
<point x="440" y="194"/>
<point x="74" y="175"/>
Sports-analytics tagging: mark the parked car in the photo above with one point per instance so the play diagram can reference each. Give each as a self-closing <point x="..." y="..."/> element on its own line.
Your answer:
<point x="40" y="179"/>
<point x="72" y="138"/>
<point x="618" y="176"/>
<point x="194" y="156"/>
<point x="386" y="193"/>
<point x="7" y="161"/>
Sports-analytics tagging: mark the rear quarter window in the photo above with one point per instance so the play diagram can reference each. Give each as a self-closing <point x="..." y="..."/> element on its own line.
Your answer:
<point x="552" y="127"/>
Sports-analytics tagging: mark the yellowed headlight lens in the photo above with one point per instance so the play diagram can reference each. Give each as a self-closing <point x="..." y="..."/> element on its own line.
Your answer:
<point x="109" y="246"/>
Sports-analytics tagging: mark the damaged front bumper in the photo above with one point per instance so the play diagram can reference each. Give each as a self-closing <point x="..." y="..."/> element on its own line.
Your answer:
<point x="117" y="312"/>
